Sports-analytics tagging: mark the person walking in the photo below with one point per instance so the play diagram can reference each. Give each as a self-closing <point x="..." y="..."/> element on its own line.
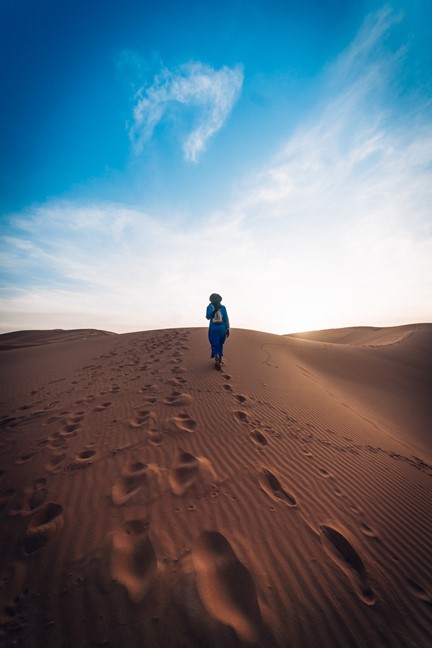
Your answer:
<point x="219" y="327"/>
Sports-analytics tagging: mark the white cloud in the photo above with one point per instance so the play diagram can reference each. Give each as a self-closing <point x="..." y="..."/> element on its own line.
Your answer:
<point x="211" y="93"/>
<point x="143" y="275"/>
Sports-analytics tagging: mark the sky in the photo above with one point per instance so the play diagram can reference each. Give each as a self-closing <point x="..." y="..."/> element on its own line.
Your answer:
<point x="278" y="153"/>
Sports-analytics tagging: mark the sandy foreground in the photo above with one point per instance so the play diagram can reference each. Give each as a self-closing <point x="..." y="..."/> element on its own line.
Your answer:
<point x="148" y="500"/>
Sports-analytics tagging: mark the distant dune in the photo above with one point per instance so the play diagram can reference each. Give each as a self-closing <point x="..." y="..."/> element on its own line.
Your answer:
<point x="19" y="339"/>
<point x="149" y="500"/>
<point x="368" y="335"/>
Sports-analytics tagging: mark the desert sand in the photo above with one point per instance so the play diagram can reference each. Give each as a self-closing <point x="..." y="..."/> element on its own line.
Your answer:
<point x="149" y="500"/>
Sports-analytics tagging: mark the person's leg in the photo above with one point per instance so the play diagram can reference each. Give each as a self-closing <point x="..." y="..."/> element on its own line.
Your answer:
<point x="214" y="341"/>
<point x="217" y="336"/>
<point x="221" y="341"/>
<point x="218" y="340"/>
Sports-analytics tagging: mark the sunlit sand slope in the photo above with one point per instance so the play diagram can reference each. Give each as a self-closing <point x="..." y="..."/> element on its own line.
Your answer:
<point x="149" y="500"/>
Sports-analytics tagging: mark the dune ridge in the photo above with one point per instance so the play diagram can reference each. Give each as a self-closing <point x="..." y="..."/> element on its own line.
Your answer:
<point x="147" y="499"/>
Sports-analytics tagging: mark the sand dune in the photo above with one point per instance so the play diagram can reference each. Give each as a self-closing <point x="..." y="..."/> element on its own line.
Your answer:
<point x="384" y="374"/>
<point x="19" y="339"/>
<point x="367" y="335"/>
<point x="148" y="500"/>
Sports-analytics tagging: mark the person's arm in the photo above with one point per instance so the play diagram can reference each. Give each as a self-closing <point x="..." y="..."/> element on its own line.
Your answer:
<point x="209" y="311"/>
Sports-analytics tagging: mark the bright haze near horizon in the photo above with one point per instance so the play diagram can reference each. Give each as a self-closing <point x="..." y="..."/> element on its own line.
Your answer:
<point x="278" y="153"/>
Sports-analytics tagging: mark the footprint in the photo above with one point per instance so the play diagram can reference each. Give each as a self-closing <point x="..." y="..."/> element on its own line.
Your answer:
<point x="56" y="441"/>
<point x="272" y="486"/>
<point x="177" y="382"/>
<point x="133" y="558"/>
<point x="240" y="416"/>
<point x="226" y="587"/>
<point x="184" y="472"/>
<point x="154" y="436"/>
<point x="23" y="408"/>
<point x="367" y="530"/>
<point x="69" y="430"/>
<point x="178" y="369"/>
<point x="101" y="408"/>
<point x="38" y="494"/>
<point x="51" y="405"/>
<point x="136" y="477"/>
<point x="181" y="423"/>
<point x="240" y="398"/>
<point x="143" y="418"/>
<point x="227" y="388"/>
<point x="25" y="456"/>
<point x="31" y="498"/>
<point x="85" y="455"/>
<point x="418" y="591"/>
<point x="148" y="388"/>
<point x="336" y="489"/>
<point x="151" y="400"/>
<point x="178" y="398"/>
<point x="342" y="552"/>
<point x="45" y="524"/>
<point x="188" y="470"/>
<point x="81" y="460"/>
<point x="55" y="463"/>
<point x="258" y="438"/>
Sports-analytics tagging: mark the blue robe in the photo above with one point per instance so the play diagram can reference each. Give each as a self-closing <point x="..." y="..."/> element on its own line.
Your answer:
<point x="217" y="332"/>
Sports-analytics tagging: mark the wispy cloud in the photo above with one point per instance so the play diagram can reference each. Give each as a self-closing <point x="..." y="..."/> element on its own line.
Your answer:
<point x="356" y="153"/>
<point x="211" y="93"/>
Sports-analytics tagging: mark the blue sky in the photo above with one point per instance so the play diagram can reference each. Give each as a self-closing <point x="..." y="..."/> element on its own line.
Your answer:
<point x="278" y="153"/>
